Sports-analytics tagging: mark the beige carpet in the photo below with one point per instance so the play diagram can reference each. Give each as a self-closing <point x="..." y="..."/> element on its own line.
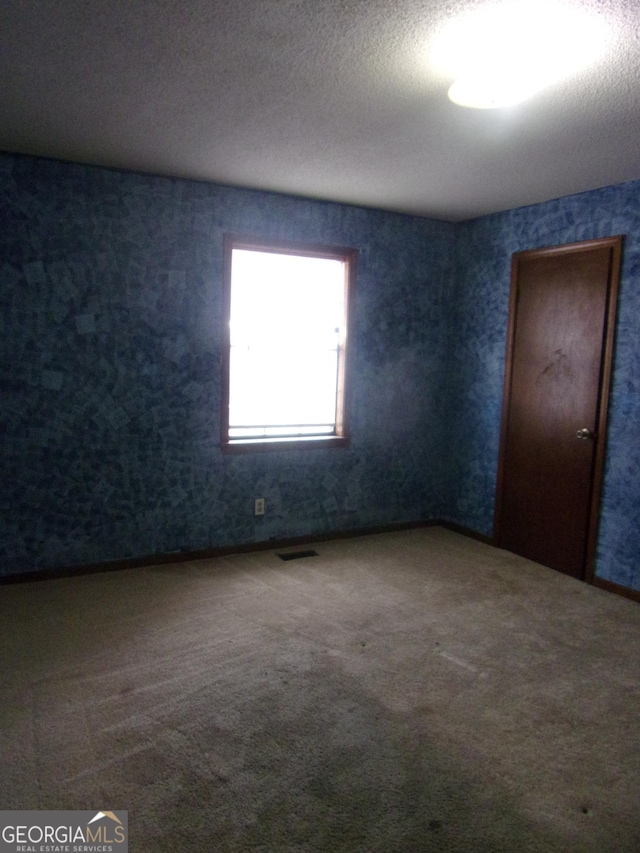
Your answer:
<point x="413" y="691"/>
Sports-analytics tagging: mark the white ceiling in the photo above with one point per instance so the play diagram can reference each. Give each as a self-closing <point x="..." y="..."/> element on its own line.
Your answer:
<point x="332" y="99"/>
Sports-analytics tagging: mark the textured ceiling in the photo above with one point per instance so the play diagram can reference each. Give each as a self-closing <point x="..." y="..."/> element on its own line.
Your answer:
<point x="331" y="99"/>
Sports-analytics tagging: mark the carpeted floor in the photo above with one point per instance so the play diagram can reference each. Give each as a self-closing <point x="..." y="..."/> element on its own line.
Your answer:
<point x="398" y="693"/>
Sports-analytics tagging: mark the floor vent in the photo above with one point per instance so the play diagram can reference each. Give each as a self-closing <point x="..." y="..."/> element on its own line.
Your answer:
<point x="297" y="555"/>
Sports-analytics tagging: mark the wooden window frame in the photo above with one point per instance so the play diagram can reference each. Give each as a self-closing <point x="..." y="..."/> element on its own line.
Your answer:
<point x="341" y="436"/>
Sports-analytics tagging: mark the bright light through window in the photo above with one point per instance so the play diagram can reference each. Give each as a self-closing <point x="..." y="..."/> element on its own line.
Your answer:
<point x="287" y="340"/>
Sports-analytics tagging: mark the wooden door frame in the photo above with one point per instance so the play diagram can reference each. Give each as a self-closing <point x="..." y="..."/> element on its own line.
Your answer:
<point x="615" y="244"/>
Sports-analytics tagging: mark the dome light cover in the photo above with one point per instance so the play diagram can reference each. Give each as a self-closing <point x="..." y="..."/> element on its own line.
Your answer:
<point x="504" y="53"/>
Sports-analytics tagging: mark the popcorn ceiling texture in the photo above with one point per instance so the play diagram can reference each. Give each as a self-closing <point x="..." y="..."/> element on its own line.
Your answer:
<point x="334" y="99"/>
<point x="110" y="322"/>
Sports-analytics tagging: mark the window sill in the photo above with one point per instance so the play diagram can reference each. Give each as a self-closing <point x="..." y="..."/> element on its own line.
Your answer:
<point x="260" y="445"/>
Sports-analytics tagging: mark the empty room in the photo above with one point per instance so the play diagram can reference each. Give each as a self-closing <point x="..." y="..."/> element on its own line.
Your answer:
<point x="320" y="426"/>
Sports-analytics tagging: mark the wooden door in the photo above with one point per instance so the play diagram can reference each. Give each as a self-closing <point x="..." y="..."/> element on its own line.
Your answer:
<point x="559" y="347"/>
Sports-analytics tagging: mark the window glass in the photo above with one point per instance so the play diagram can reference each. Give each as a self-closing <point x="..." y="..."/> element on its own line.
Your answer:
<point x="287" y="343"/>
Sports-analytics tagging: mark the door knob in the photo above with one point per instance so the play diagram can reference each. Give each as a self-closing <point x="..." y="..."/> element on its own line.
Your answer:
<point x="585" y="434"/>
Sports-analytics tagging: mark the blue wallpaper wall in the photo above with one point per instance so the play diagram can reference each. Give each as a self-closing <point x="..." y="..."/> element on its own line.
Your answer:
<point x="110" y="323"/>
<point x="479" y="308"/>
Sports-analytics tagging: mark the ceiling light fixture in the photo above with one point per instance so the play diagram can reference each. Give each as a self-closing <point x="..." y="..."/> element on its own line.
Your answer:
<point x="503" y="54"/>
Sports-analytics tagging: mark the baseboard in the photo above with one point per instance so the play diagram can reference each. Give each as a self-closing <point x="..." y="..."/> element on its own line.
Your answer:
<point x="208" y="553"/>
<point x="601" y="583"/>
<point x="464" y="531"/>
<point x="268" y="545"/>
<point x="610" y="586"/>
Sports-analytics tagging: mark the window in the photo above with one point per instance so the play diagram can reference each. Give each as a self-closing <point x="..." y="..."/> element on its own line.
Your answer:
<point x="285" y="352"/>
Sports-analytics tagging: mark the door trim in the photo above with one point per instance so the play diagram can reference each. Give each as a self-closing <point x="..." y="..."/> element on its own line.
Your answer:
<point x="615" y="245"/>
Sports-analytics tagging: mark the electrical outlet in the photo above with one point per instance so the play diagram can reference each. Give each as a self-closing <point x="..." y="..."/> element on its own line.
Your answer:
<point x="258" y="506"/>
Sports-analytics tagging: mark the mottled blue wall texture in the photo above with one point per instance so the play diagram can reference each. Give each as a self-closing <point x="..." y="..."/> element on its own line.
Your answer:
<point x="475" y="363"/>
<point x="110" y="329"/>
<point x="111" y="313"/>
